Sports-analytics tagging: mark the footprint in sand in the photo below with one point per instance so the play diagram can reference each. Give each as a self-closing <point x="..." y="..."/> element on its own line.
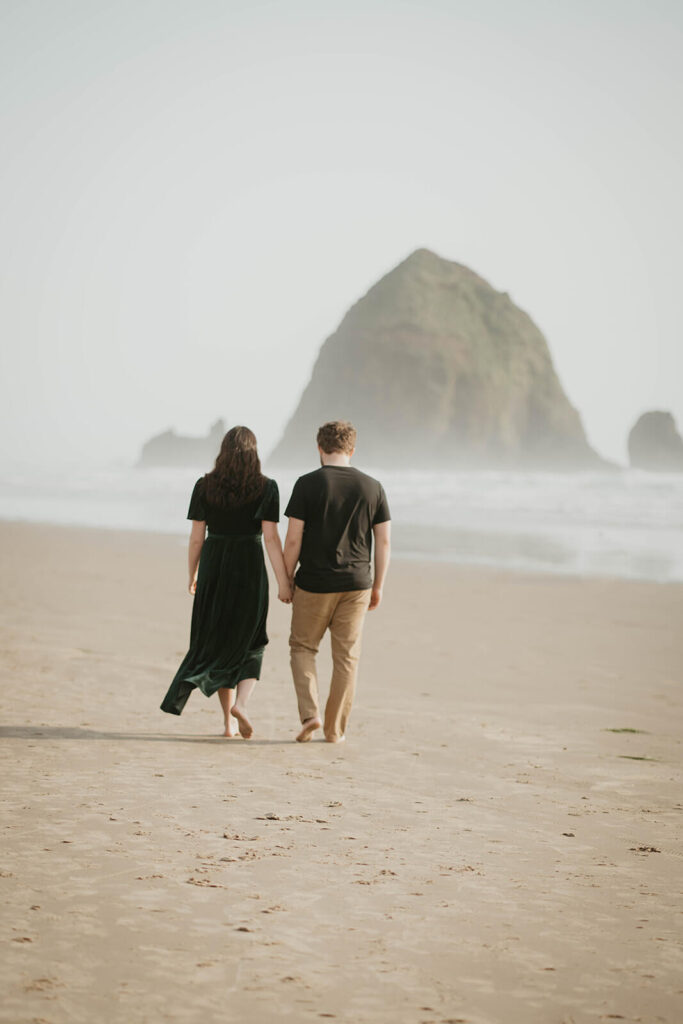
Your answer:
<point x="43" y="984"/>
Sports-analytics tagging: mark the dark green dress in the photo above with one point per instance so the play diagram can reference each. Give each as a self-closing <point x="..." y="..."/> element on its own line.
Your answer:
<point x="228" y="631"/>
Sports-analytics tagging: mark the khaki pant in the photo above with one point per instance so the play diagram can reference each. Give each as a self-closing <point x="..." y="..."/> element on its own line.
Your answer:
<point x="343" y="614"/>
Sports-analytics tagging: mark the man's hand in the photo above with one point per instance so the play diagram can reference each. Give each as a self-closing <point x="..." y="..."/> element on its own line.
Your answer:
<point x="375" y="598"/>
<point x="284" y="593"/>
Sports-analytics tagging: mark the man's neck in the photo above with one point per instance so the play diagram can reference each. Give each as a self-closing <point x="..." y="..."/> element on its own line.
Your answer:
<point x="335" y="459"/>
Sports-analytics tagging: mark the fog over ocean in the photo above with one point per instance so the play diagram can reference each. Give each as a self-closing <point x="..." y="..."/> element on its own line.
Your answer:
<point x="625" y="524"/>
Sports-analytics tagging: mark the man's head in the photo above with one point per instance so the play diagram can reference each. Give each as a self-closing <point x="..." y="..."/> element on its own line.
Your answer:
<point x="338" y="437"/>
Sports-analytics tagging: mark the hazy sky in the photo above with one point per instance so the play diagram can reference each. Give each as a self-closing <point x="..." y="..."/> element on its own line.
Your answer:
<point x="193" y="193"/>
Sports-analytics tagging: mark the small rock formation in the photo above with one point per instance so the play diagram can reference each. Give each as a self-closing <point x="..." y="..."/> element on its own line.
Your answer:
<point x="655" y="444"/>
<point x="171" y="449"/>
<point x="436" y="368"/>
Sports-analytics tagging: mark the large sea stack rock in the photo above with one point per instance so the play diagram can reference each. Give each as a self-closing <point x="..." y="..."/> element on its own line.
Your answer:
<point x="655" y="444"/>
<point x="435" y="367"/>
<point x="171" y="449"/>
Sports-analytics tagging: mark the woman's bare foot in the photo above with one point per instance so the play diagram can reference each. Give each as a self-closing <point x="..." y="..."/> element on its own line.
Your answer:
<point x="309" y="727"/>
<point x="227" y="698"/>
<point x="245" y="726"/>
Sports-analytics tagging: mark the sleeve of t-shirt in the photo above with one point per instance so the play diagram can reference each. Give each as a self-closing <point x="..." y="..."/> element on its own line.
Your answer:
<point x="382" y="513"/>
<point x="197" y="509"/>
<point x="296" y="507"/>
<point x="269" y="509"/>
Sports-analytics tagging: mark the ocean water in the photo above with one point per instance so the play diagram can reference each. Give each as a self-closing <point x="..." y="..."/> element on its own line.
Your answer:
<point x="625" y="524"/>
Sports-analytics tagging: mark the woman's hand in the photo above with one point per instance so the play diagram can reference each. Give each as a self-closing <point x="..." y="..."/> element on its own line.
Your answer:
<point x="284" y="593"/>
<point x="192" y="588"/>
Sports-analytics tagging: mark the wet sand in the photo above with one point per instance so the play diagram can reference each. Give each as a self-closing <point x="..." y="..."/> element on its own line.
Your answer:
<point x="488" y="845"/>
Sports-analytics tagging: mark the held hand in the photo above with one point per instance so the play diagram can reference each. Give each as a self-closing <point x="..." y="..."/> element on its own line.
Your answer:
<point x="284" y="593"/>
<point x="375" y="598"/>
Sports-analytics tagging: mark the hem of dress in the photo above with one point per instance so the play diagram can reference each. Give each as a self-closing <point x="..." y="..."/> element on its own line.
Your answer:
<point x="181" y="689"/>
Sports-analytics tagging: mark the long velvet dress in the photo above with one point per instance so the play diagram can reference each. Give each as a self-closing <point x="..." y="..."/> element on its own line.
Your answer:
<point x="228" y="632"/>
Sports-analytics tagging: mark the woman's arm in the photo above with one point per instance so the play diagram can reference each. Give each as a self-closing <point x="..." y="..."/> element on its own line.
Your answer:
<point x="295" y="533"/>
<point x="273" y="544"/>
<point x="194" y="551"/>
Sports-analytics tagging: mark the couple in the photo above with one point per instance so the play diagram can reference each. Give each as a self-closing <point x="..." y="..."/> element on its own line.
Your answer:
<point x="334" y="513"/>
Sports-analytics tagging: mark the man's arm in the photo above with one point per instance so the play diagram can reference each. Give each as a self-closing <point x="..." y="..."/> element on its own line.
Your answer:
<point x="382" y="537"/>
<point x="295" y="532"/>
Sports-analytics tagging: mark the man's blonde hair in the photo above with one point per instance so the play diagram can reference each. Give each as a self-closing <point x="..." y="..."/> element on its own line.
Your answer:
<point x="337" y="436"/>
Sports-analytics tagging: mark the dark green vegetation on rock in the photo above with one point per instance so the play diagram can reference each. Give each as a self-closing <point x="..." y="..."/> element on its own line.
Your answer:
<point x="171" y="449"/>
<point x="435" y="367"/>
<point x="655" y="444"/>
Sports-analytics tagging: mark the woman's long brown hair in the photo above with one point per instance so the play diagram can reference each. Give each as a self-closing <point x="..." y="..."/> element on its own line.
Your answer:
<point x="236" y="479"/>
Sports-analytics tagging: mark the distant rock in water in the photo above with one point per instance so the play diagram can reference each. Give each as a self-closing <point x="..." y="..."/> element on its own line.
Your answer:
<point x="171" y="449"/>
<point x="654" y="443"/>
<point x="436" y="368"/>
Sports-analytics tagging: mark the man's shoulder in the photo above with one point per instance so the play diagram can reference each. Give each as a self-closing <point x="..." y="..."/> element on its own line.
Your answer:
<point x="309" y="478"/>
<point x="319" y="479"/>
<point x="366" y="479"/>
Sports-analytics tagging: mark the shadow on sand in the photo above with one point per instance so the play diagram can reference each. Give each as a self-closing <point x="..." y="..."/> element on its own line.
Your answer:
<point x="72" y="732"/>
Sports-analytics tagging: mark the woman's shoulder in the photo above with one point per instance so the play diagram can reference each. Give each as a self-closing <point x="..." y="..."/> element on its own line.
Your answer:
<point x="268" y="506"/>
<point x="198" y="504"/>
<point x="269" y="490"/>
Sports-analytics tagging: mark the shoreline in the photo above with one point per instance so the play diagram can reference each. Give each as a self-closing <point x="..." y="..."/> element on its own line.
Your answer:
<point x="399" y="554"/>
<point x="497" y="841"/>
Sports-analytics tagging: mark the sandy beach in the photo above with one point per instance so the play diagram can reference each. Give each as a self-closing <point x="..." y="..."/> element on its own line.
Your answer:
<point x="497" y="842"/>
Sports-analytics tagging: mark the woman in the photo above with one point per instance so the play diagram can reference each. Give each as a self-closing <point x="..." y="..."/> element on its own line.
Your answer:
<point x="229" y="582"/>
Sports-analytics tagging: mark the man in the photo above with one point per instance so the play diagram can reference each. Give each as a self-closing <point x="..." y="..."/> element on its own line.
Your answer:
<point x="334" y="513"/>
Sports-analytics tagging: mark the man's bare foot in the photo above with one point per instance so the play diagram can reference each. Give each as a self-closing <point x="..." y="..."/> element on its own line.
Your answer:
<point x="229" y="732"/>
<point x="335" y="739"/>
<point x="309" y="727"/>
<point x="245" y="726"/>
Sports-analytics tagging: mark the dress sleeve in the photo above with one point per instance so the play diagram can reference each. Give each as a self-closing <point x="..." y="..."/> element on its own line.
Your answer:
<point x="269" y="509"/>
<point x="197" y="509"/>
<point x="296" y="507"/>
<point x="382" y="513"/>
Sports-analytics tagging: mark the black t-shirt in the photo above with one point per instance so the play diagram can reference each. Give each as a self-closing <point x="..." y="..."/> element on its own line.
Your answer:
<point x="243" y="519"/>
<point x="339" y="506"/>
